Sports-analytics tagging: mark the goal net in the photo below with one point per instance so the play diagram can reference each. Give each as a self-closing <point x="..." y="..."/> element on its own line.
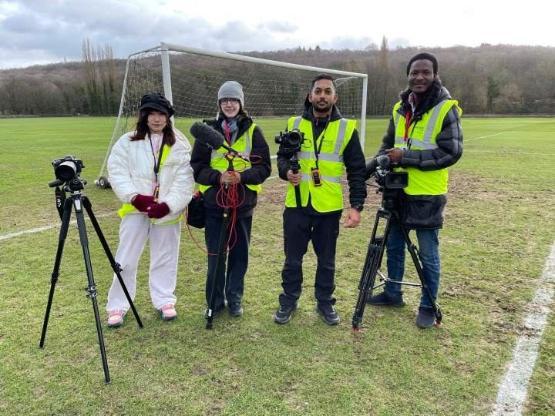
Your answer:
<point x="190" y="79"/>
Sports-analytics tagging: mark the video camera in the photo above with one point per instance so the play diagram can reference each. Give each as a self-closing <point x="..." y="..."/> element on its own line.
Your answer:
<point x="290" y="142"/>
<point x="380" y="169"/>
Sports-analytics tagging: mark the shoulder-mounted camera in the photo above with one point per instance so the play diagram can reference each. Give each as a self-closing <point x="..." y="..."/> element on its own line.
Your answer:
<point x="380" y="169"/>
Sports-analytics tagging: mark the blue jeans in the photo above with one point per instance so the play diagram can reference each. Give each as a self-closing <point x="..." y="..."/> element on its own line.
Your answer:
<point x="428" y="248"/>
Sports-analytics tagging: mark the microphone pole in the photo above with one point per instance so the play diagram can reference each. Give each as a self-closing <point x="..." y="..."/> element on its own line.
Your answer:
<point x="222" y="239"/>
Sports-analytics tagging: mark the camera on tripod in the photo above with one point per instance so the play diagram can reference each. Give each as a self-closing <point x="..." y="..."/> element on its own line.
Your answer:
<point x="67" y="168"/>
<point x="380" y="169"/>
<point x="290" y="142"/>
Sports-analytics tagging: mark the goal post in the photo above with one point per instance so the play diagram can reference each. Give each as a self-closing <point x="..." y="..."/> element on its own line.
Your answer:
<point x="190" y="79"/>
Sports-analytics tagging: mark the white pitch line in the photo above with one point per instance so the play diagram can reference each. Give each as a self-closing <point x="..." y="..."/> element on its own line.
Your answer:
<point x="49" y="227"/>
<point x="513" y="388"/>
<point x="40" y="229"/>
<point x="483" y="137"/>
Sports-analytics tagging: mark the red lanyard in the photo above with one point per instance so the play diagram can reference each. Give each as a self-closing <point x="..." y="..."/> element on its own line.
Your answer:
<point x="408" y="122"/>
<point x="408" y="119"/>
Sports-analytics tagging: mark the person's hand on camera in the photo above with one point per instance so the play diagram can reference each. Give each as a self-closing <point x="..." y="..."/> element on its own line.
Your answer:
<point x="294" y="178"/>
<point x="142" y="202"/>
<point x="395" y="155"/>
<point x="230" y="178"/>
<point x="353" y="218"/>
<point x="158" y="210"/>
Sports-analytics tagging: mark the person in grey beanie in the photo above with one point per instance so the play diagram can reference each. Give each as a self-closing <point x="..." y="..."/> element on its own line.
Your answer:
<point x="234" y="190"/>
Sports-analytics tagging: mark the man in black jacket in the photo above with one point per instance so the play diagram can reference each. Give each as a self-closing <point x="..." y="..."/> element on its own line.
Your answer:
<point x="314" y="200"/>
<point x="424" y="137"/>
<point x="236" y="189"/>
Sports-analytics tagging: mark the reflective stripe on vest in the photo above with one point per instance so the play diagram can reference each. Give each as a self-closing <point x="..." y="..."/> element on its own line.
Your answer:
<point x="242" y="145"/>
<point x="328" y="196"/>
<point x="422" y="135"/>
<point x="128" y="208"/>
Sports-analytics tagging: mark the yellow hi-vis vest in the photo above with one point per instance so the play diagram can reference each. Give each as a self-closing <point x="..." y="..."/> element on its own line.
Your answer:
<point x="422" y="136"/>
<point x="242" y="145"/>
<point x="336" y="136"/>
<point x="128" y="208"/>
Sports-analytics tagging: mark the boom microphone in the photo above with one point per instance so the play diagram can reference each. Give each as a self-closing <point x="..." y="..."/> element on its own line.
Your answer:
<point x="212" y="138"/>
<point x="207" y="135"/>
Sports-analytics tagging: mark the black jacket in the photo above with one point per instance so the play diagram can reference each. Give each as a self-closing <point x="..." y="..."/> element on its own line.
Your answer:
<point x="426" y="211"/>
<point x="353" y="158"/>
<point x="258" y="172"/>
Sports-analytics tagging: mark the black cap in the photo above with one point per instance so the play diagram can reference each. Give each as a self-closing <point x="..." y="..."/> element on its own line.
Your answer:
<point x="158" y="102"/>
<point x="424" y="56"/>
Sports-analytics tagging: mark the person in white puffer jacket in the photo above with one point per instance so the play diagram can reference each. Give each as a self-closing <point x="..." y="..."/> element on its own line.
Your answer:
<point x="149" y="171"/>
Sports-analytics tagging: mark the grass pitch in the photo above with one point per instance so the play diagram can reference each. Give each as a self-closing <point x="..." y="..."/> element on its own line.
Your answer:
<point x="499" y="229"/>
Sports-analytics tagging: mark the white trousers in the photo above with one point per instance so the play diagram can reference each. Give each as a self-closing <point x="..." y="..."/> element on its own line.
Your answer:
<point x="134" y="231"/>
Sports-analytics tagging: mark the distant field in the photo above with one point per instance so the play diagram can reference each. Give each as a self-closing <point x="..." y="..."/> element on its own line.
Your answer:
<point x="500" y="225"/>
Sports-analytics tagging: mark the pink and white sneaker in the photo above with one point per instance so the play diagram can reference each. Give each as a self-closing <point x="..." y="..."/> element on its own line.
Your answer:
<point x="168" y="312"/>
<point x="115" y="318"/>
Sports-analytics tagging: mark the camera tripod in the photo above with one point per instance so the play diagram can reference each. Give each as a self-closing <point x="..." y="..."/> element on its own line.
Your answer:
<point x="65" y="205"/>
<point x="386" y="213"/>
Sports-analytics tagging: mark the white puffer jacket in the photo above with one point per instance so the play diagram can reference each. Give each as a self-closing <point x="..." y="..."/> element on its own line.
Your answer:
<point x="131" y="172"/>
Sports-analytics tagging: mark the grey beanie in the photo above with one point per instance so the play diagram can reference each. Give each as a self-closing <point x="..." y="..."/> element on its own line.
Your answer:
<point x="232" y="89"/>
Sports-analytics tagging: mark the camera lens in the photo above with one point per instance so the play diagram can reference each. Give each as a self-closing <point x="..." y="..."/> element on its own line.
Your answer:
<point x="65" y="171"/>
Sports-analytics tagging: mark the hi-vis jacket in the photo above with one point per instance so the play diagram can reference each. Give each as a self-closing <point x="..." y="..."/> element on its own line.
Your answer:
<point x="431" y="143"/>
<point x="131" y="172"/>
<point x="208" y="165"/>
<point x="243" y="145"/>
<point x="330" y="145"/>
<point x="421" y="135"/>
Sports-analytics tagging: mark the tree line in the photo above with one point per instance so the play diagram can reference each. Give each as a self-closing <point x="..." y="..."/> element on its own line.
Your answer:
<point x="489" y="79"/>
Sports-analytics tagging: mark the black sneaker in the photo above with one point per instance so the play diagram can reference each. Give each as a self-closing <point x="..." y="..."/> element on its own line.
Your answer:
<point x="283" y="314"/>
<point x="383" y="299"/>
<point x="426" y="318"/>
<point x="328" y="313"/>
<point x="235" y="309"/>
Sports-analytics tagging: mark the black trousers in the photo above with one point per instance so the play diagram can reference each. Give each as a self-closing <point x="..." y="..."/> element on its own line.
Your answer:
<point x="298" y="229"/>
<point x="230" y="281"/>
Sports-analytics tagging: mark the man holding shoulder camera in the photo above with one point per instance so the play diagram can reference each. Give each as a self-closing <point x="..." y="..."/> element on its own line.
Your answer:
<point x="331" y="145"/>
<point x="424" y="137"/>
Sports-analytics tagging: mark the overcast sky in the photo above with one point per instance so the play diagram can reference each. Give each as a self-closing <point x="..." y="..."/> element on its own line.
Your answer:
<point x="46" y="31"/>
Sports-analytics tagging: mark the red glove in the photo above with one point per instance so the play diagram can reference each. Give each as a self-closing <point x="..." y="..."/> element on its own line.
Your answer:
<point x="158" y="210"/>
<point x="142" y="202"/>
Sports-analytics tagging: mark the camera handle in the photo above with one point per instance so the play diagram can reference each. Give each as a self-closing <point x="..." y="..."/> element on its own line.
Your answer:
<point x="295" y="167"/>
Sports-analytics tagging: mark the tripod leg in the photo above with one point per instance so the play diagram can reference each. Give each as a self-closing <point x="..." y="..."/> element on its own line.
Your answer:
<point x="56" y="271"/>
<point x="91" y="289"/>
<point x="420" y="271"/>
<point x="372" y="263"/>
<point x="115" y="266"/>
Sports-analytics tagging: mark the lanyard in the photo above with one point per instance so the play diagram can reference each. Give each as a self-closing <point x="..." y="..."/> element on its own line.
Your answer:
<point x="318" y="149"/>
<point x="408" y="121"/>
<point x="157" y="162"/>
